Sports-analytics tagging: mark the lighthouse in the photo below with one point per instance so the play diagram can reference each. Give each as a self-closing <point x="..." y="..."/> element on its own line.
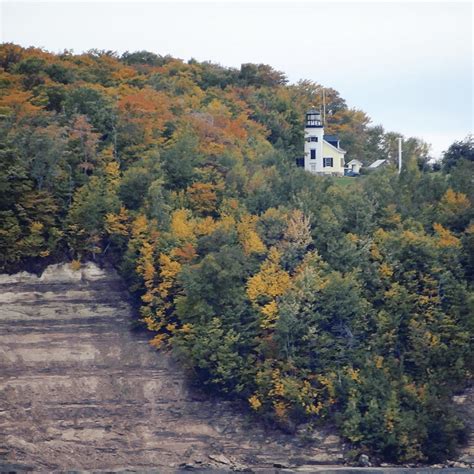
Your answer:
<point x="313" y="144"/>
<point x="322" y="153"/>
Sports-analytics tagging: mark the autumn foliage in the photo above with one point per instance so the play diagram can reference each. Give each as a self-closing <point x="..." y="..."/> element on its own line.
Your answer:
<point x="311" y="298"/>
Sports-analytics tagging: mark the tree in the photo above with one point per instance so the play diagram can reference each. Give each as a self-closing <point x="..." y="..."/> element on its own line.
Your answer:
<point x="91" y="204"/>
<point x="457" y="152"/>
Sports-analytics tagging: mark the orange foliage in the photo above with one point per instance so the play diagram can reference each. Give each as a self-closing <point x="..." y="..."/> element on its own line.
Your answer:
<point x="17" y="103"/>
<point x="202" y="197"/>
<point x="185" y="254"/>
<point x="147" y="109"/>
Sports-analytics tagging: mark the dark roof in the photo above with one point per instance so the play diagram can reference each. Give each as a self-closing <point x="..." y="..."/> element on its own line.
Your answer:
<point x="331" y="138"/>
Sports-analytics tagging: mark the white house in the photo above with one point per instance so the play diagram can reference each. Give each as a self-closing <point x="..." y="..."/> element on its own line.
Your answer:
<point x="354" y="166"/>
<point x="322" y="153"/>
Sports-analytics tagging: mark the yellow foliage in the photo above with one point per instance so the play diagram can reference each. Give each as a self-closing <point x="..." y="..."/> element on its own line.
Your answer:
<point x="270" y="312"/>
<point x="385" y="270"/>
<point x="381" y="235"/>
<point x="158" y="340"/>
<point x="186" y="328"/>
<point x="433" y="340"/>
<point x="255" y="402"/>
<point x="354" y="374"/>
<point x="171" y="327"/>
<point x="445" y="238"/>
<point x="145" y="266"/>
<point x="226" y="223"/>
<point x="327" y="381"/>
<point x="139" y="226"/>
<point x="205" y="226"/>
<point x="353" y="237"/>
<point x="75" y="265"/>
<point x="393" y="218"/>
<point x="36" y="227"/>
<point x="375" y="252"/>
<point x="278" y="389"/>
<point x="389" y="421"/>
<point x="379" y="362"/>
<point x="248" y="236"/>
<point x="169" y="269"/>
<point x="112" y="171"/>
<point x="314" y="409"/>
<point x="117" y="223"/>
<point x="454" y="201"/>
<point x="152" y="324"/>
<point x="181" y="225"/>
<point x="271" y="280"/>
<point x="393" y="291"/>
<point x="147" y="297"/>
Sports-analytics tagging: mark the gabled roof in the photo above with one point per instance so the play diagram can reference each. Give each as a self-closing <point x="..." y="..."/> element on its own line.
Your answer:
<point x="355" y="161"/>
<point x="340" y="150"/>
<point x="377" y="163"/>
<point x="331" y="138"/>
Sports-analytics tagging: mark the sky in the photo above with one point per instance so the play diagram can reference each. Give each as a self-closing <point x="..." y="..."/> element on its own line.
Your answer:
<point x="408" y="65"/>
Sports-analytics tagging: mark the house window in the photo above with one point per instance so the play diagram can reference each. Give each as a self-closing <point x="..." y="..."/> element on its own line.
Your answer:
<point x="328" y="162"/>
<point x="313" y="154"/>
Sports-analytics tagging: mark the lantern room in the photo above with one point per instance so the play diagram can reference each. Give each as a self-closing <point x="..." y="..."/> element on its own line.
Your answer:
<point x="313" y="119"/>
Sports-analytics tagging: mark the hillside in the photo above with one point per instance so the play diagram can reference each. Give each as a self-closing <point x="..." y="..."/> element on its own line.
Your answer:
<point x="80" y="390"/>
<point x="309" y="300"/>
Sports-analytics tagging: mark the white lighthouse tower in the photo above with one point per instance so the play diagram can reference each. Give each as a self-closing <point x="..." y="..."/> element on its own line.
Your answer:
<point x="322" y="153"/>
<point x="313" y="144"/>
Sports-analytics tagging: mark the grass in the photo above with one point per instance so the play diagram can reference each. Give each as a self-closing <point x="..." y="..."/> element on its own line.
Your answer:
<point x="345" y="181"/>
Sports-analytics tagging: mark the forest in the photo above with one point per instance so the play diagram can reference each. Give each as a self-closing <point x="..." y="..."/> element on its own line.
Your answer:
<point x="311" y="299"/>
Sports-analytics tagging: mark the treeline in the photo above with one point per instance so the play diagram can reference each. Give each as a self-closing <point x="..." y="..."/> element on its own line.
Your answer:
<point x="312" y="298"/>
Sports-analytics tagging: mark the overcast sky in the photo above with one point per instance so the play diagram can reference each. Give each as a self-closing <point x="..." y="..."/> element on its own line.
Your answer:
<point x="408" y="65"/>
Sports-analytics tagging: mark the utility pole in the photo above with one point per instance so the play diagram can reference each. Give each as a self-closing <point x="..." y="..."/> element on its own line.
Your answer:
<point x="399" y="155"/>
<point x="324" y="107"/>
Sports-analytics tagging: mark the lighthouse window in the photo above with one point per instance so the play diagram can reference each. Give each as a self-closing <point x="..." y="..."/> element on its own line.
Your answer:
<point x="313" y="139"/>
<point x="327" y="162"/>
<point x="313" y="154"/>
<point x="313" y="120"/>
